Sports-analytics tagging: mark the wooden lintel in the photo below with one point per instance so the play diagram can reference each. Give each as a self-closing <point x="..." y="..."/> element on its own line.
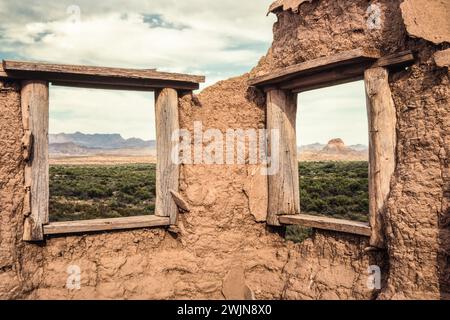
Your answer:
<point x="132" y="85"/>
<point x="339" y="68"/>
<point x="327" y="78"/>
<point x="115" y="78"/>
<point x="326" y="223"/>
<point x="68" y="227"/>
<point x="325" y="63"/>
<point x="394" y="60"/>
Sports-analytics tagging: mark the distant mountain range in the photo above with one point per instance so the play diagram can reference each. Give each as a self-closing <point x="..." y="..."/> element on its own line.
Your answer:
<point x="100" y="141"/>
<point x="80" y="144"/>
<point x="319" y="146"/>
<point x="334" y="150"/>
<point x="73" y="144"/>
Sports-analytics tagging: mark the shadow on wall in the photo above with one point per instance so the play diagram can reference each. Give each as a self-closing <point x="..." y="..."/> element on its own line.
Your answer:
<point x="444" y="252"/>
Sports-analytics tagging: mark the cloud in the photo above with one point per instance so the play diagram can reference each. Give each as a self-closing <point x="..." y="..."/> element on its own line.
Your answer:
<point x="130" y="113"/>
<point x="219" y="39"/>
<point x="333" y="112"/>
<point x="180" y="36"/>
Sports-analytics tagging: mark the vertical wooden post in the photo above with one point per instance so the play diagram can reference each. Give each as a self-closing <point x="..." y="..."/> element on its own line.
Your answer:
<point x="382" y="144"/>
<point x="167" y="172"/>
<point x="35" y="104"/>
<point x="284" y="197"/>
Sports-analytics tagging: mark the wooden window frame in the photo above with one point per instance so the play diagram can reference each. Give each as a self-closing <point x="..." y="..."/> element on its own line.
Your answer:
<point x="282" y="87"/>
<point x="35" y="79"/>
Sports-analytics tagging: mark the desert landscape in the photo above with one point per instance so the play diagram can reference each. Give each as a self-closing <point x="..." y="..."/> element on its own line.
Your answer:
<point x="102" y="149"/>
<point x="96" y="176"/>
<point x="79" y="148"/>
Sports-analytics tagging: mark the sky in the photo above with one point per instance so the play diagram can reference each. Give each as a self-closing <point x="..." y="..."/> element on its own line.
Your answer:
<point x="333" y="112"/>
<point x="218" y="39"/>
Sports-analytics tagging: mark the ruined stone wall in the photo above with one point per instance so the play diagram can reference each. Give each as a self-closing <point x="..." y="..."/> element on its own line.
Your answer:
<point x="418" y="215"/>
<point x="220" y="250"/>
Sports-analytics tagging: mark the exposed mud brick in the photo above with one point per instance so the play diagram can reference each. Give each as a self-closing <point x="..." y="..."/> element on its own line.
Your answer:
<point x="220" y="230"/>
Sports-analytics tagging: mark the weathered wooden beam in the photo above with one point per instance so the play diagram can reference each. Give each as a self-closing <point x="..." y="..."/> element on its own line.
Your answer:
<point x="336" y="69"/>
<point x="102" y="77"/>
<point x="27" y="145"/>
<point x="68" y="227"/>
<point x="167" y="172"/>
<point x="382" y="144"/>
<point x="328" y="78"/>
<point x="180" y="202"/>
<point x="149" y="74"/>
<point x="395" y="59"/>
<point x="284" y="198"/>
<point x="351" y="57"/>
<point x="125" y="85"/>
<point x="34" y="101"/>
<point x="326" y="223"/>
<point x="3" y="74"/>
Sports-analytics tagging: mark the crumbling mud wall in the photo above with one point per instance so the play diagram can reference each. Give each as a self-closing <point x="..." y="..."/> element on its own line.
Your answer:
<point x="219" y="249"/>
<point x="417" y="219"/>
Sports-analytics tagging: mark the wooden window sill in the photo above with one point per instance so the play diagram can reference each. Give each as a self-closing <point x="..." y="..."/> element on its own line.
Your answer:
<point x="326" y="223"/>
<point x="67" y="227"/>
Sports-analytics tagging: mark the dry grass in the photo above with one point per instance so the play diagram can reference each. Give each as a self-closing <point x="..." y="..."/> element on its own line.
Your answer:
<point x="102" y="160"/>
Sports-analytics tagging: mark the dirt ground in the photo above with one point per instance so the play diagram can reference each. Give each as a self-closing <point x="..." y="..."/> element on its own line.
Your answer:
<point x="101" y="160"/>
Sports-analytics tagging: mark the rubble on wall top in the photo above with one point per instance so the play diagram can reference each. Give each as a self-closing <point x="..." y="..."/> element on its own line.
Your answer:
<point x="286" y="5"/>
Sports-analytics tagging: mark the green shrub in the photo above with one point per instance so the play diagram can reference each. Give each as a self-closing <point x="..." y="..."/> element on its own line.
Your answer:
<point x="336" y="189"/>
<point x="333" y="189"/>
<point x="92" y="192"/>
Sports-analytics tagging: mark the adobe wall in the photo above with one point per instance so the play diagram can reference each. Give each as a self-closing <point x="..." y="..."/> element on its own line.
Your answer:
<point x="220" y="248"/>
<point x="417" y="221"/>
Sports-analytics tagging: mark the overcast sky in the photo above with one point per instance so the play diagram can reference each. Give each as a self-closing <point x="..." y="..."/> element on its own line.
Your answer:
<point x="334" y="112"/>
<point x="218" y="39"/>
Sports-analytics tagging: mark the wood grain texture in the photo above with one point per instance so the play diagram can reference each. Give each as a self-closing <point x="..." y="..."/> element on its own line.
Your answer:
<point x="3" y="74"/>
<point x="26" y="210"/>
<point x="338" y="75"/>
<point x="34" y="100"/>
<point x="326" y="223"/>
<point x="283" y="194"/>
<point x="27" y="145"/>
<point x="382" y="146"/>
<point x="332" y="70"/>
<point x="100" y="77"/>
<point x="395" y="59"/>
<point x="105" y="224"/>
<point x="351" y="57"/>
<point x="182" y="204"/>
<point x="167" y="172"/>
